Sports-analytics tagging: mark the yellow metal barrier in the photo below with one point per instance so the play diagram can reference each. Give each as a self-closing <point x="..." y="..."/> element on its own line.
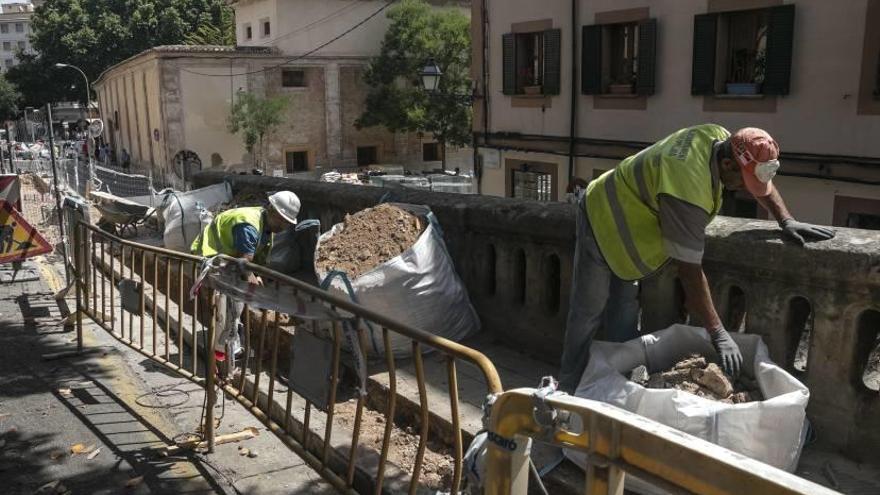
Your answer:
<point x="349" y="461"/>
<point x="618" y="442"/>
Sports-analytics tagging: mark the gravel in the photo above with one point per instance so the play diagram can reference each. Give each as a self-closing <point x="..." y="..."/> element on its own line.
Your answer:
<point x="368" y="238"/>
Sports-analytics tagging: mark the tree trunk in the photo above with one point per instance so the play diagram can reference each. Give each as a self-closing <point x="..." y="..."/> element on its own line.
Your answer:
<point x="262" y="161"/>
<point x="443" y="154"/>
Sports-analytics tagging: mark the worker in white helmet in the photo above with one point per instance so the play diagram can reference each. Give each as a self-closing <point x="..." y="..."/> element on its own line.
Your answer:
<point x="245" y="233"/>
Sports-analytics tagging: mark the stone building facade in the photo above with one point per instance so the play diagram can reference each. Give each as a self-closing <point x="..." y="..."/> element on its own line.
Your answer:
<point x="619" y="75"/>
<point x="169" y="106"/>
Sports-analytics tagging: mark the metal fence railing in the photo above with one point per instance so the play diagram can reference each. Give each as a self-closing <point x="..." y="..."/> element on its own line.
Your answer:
<point x="156" y="316"/>
<point x="618" y="443"/>
<point x="123" y="184"/>
<point x="170" y="307"/>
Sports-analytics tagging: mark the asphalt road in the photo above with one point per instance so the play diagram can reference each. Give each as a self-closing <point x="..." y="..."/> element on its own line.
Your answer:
<point x="117" y="408"/>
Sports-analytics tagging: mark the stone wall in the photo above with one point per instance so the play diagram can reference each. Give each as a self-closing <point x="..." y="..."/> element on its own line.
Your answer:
<point x="516" y="258"/>
<point x="303" y="127"/>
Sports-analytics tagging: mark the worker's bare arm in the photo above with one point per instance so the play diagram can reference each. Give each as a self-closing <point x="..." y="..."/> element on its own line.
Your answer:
<point x="774" y="204"/>
<point x="252" y="277"/>
<point x="698" y="297"/>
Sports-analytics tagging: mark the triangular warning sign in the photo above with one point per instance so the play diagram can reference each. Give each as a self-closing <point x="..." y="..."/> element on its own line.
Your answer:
<point x="18" y="239"/>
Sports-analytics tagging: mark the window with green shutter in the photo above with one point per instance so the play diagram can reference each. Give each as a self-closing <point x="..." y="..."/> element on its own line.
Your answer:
<point x="742" y="53"/>
<point x="532" y="63"/>
<point x="619" y="58"/>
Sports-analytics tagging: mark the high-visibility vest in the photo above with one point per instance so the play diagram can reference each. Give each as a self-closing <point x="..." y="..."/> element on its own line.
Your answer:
<point x="622" y="204"/>
<point x="217" y="236"/>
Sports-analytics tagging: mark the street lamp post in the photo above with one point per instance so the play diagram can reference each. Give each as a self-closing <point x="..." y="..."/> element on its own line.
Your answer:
<point x="88" y="93"/>
<point x="88" y="106"/>
<point x="431" y="74"/>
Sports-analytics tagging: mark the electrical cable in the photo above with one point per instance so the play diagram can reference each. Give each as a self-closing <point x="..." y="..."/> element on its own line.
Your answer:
<point x="298" y="57"/>
<point x="163" y="392"/>
<point x="350" y="6"/>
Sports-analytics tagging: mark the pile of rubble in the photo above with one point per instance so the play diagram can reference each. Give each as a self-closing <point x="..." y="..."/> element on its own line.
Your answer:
<point x="368" y="238"/>
<point x="248" y="196"/>
<point x="697" y="376"/>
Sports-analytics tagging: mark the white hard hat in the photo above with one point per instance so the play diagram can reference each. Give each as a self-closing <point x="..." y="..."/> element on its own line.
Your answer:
<point x="286" y="204"/>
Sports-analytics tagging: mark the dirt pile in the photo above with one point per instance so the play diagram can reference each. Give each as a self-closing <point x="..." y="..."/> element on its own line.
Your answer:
<point x="368" y="238"/>
<point x="696" y="375"/>
<point x="246" y="197"/>
<point x="437" y="466"/>
<point x="31" y="181"/>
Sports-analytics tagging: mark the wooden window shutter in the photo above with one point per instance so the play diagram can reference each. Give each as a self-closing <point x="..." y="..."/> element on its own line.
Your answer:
<point x="591" y="60"/>
<point x="780" y="41"/>
<point x="703" y="75"/>
<point x="552" y="61"/>
<point x="509" y="71"/>
<point x="647" y="62"/>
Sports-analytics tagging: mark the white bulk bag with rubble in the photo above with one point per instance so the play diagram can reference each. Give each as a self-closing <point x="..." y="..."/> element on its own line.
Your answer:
<point x="419" y="288"/>
<point x="771" y="431"/>
<point x="186" y="214"/>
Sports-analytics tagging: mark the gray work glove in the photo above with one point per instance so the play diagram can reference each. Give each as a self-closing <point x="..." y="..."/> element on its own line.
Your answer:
<point x="728" y="351"/>
<point x="796" y="231"/>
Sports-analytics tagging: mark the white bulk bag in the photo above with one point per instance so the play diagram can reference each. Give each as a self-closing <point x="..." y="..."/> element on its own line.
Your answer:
<point x="184" y="219"/>
<point x="771" y="431"/>
<point x="419" y="288"/>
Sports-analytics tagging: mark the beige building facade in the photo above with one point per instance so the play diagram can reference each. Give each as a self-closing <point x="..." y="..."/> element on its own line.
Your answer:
<point x="168" y="107"/>
<point x="571" y="87"/>
<point x="15" y="31"/>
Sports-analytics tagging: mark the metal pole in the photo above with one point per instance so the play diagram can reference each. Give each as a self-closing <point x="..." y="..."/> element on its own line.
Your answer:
<point x="9" y="147"/>
<point x="210" y="370"/>
<point x="88" y="107"/>
<point x="57" y="192"/>
<point x="28" y="125"/>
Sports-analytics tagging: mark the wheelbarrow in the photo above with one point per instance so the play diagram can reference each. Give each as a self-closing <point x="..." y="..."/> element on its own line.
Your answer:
<point x="119" y="215"/>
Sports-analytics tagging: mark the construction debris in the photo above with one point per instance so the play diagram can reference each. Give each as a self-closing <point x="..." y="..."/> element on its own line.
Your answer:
<point x="245" y="434"/>
<point x="697" y="376"/>
<point x="369" y="238"/>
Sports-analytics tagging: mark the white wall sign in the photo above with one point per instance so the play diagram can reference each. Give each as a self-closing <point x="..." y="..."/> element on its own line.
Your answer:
<point x="491" y="157"/>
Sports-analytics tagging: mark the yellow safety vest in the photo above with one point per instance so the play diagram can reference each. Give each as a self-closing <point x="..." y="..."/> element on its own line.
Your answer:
<point x="217" y="236"/>
<point x="623" y="206"/>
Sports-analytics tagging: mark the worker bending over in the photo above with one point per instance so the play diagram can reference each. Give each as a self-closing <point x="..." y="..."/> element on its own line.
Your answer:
<point x="654" y="206"/>
<point x="245" y="233"/>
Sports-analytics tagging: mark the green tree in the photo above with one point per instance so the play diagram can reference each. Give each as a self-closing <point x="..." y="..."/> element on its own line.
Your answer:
<point x="10" y="99"/>
<point x="397" y="99"/>
<point x="254" y="117"/>
<point x="96" y="34"/>
<point x="222" y="33"/>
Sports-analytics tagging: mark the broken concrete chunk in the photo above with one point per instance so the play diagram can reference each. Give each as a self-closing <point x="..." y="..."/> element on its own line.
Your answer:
<point x="714" y="379"/>
<point x="696" y="375"/>
<point x="639" y="375"/>
<point x="693" y="361"/>
<point x="675" y="377"/>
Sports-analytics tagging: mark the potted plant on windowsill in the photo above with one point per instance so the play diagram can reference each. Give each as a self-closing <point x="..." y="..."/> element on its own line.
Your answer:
<point x="748" y="73"/>
<point x="530" y="82"/>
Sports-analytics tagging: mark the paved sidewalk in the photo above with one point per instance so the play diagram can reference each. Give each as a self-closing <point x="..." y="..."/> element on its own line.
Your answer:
<point x="106" y="401"/>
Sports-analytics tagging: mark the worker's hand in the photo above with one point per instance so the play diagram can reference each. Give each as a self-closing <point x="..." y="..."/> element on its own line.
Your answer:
<point x="728" y="351"/>
<point x="796" y="231"/>
<point x="254" y="279"/>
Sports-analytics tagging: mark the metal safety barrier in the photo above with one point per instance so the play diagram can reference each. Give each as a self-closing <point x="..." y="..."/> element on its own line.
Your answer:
<point x="291" y="374"/>
<point x="619" y="443"/>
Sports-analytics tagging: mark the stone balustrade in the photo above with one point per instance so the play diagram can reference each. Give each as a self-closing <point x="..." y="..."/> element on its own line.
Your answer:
<point x="515" y="258"/>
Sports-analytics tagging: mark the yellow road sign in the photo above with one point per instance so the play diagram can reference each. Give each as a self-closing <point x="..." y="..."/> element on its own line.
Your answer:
<point x="18" y="239"/>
